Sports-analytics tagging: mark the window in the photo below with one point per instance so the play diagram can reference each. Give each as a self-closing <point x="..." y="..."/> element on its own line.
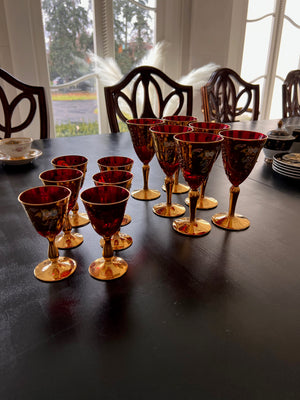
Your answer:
<point x="73" y="30"/>
<point x="270" y="49"/>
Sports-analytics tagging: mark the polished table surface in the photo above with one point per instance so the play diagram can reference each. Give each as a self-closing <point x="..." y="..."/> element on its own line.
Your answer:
<point x="216" y="317"/>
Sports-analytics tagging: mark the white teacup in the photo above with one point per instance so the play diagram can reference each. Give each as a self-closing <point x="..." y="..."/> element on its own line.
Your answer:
<point x="15" y="147"/>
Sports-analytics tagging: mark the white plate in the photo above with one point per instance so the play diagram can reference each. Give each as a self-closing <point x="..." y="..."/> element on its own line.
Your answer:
<point x="287" y="159"/>
<point x="284" y="173"/>
<point x="32" y="155"/>
<point x="286" y="168"/>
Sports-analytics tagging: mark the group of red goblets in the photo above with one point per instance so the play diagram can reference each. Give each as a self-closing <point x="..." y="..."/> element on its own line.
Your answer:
<point x="179" y="142"/>
<point x="49" y="206"/>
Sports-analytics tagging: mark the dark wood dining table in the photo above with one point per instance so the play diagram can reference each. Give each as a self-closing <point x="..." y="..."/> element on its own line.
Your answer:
<point x="215" y="317"/>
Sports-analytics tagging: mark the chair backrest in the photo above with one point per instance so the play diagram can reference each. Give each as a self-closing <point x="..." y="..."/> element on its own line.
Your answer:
<point x="291" y="95"/>
<point x="140" y="94"/>
<point x="34" y="94"/>
<point x="226" y="96"/>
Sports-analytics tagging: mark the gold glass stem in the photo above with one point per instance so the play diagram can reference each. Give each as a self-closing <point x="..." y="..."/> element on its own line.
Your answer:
<point x="176" y="177"/>
<point x="193" y="196"/>
<point x="52" y="250"/>
<point x="107" y="249"/>
<point x="202" y="188"/>
<point x="169" y="182"/>
<point x="146" y="170"/>
<point x="75" y="208"/>
<point x="67" y="227"/>
<point x="234" y="194"/>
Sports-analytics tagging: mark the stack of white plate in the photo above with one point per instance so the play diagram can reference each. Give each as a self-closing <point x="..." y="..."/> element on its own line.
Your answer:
<point x="287" y="164"/>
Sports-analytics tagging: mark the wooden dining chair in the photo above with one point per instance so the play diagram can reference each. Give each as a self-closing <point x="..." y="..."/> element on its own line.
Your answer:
<point x="146" y="92"/>
<point x="291" y="95"/>
<point x="35" y="95"/>
<point x="226" y="96"/>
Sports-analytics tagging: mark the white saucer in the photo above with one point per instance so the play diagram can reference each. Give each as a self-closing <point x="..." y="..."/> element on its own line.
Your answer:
<point x="32" y="155"/>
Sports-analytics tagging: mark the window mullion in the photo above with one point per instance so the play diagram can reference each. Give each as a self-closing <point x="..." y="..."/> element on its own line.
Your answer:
<point x="273" y="58"/>
<point x="104" y="47"/>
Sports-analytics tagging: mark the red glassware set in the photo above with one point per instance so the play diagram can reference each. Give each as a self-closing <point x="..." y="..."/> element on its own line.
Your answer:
<point x="179" y="143"/>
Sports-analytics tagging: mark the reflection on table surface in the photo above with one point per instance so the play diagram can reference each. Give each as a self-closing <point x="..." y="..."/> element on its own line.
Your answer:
<point x="215" y="317"/>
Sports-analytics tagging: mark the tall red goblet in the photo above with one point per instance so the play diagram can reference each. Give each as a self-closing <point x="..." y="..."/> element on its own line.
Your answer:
<point x="46" y="207"/>
<point x="204" y="202"/>
<point x="167" y="155"/>
<point x="182" y="120"/>
<point x="115" y="163"/>
<point x="70" y="178"/>
<point x="77" y="162"/>
<point x="240" y="150"/>
<point x="198" y="152"/>
<point x="139" y="129"/>
<point x="105" y="206"/>
<point x="119" y="241"/>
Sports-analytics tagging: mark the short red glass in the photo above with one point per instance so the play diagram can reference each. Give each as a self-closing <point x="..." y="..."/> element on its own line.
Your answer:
<point x="198" y="152"/>
<point x="46" y="207"/>
<point x="77" y="162"/>
<point x="240" y="150"/>
<point x="142" y="141"/>
<point x="72" y="179"/>
<point x="112" y="163"/>
<point x="119" y="241"/>
<point x="117" y="163"/>
<point x="105" y="206"/>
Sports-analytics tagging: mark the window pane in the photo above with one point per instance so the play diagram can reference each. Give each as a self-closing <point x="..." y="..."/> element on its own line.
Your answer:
<point x="256" y="47"/>
<point x="134" y="29"/>
<point x="289" y="55"/>
<point x="69" y="38"/>
<point x="292" y="10"/>
<point x="258" y="8"/>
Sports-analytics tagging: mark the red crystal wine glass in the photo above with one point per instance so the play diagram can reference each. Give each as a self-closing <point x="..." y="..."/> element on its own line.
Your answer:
<point x="105" y="206"/>
<point x="182" y="120"/>
<point x="198" y="152"/>
<point x="115" y="163"/>
<point x="141" y="137"/>
<point x="70" y="178"/>
<point x="240" y="150"/>
<point x="46" y="207"/>
<point x="168" y="158"/>
<point x="119" y="241"/>
<point x="205" y="202"/>
<point x="77" y="162"/>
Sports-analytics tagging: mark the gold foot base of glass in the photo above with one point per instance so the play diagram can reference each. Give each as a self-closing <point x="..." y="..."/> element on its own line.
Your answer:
<point x="126" y="220"/>
<point x="206" y="203"/>
<point x="199" y="227"/>
<point x="68" y="241"/>
<point x="106" y="270"/>
<point x="236" y="223"/>
<point x="164" y="210"/>
<point x="79" y="219"/>
<point x="120" y="241"/>
<point x="178" y="188"/>
<point x="55" y="270"/>
<point x="149" y="194"/>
